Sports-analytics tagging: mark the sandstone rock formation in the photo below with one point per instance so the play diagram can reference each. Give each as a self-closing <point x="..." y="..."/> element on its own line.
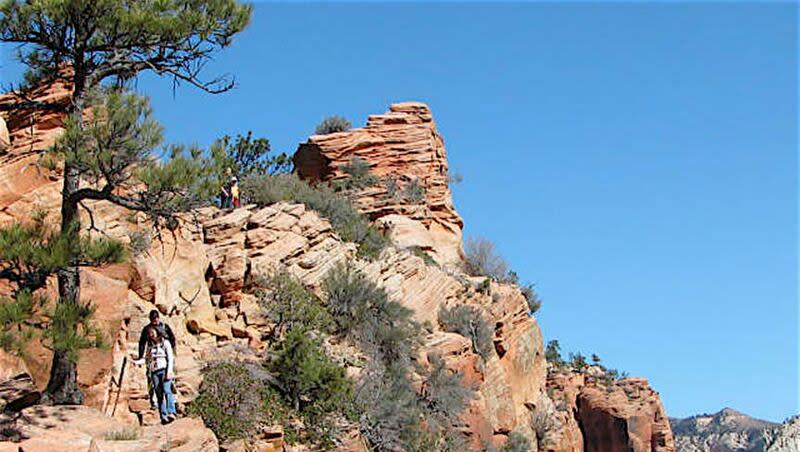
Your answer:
<point x="197" y="276"/>
<point x="23" y="183"/>
<point x="402" y="147"/>
<point x="626" y="415"/>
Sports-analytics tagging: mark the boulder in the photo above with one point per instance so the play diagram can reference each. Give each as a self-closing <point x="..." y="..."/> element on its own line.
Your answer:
<point x="201" y="319"/>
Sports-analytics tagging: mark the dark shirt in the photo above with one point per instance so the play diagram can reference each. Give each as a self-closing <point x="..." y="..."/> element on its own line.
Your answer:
<point x="165" y="331"/>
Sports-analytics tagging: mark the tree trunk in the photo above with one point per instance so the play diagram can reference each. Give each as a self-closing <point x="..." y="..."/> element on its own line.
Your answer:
<point x="62" y="389"/>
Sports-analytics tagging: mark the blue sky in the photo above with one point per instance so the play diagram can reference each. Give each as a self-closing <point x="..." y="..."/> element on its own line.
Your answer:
<point x="637" y="161"/>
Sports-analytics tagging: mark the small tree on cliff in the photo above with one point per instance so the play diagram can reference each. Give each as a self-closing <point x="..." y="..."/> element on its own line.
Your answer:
<point x="245" y="156"/>
<point x="552" y="354"/>
<point x="88" y="44"/>
<point x="29" y="254"/>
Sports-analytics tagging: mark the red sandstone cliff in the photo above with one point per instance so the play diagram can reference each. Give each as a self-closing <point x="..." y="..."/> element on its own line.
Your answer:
<point x="196" y="278"/>
<point x="402" y="146"/>
<point x="590" y="416"/>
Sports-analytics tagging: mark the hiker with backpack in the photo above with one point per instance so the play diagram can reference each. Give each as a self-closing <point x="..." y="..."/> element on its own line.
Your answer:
<point x="161" y="369"/>
<point x="166" y="332"/>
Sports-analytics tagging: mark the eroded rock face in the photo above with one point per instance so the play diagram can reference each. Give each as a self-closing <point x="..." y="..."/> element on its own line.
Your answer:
<point x="23" y="135"/>
<point x="626" y="415"/>
<point x="197" y="277"/>
<point x="402" y="146"/>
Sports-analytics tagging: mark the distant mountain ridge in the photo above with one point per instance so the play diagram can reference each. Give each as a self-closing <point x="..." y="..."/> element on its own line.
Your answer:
<point x="732" y="431"/>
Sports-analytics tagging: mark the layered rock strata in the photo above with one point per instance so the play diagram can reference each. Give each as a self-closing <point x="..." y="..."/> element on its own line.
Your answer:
<point x="197" y="277"/>
<point x="402" y="147"/>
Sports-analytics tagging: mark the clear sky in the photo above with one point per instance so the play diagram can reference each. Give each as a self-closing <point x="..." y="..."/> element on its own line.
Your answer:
<point x="637" y="161"/>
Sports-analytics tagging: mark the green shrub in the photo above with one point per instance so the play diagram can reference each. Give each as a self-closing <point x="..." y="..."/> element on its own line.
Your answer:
<point x="443" y="395"/>
<point x="388" y="406"/>
<point x="230" y="399"/>
<point x="363" y="311"/>
<point x="543" y="423"/>
<point x="350" y="224"/>
<point x="392" y="414"/>
<point x="422" y="254"/>
<point x="311" y="384"/>
<point x="468" y="321"/>
<point x="390" y="184"/>
<point x="332" y="124"/>
<point x="289" y="304"/>
<point x="516" y="442"/>
<point x="358" y="175"/>
<point x="390" y="409"/>
<point x="350" y="297"/>
<point x="414" y="192"/>
<point x="533" y="300"/>
<point x="485" y="286"/>
<point x="307" y="376"/>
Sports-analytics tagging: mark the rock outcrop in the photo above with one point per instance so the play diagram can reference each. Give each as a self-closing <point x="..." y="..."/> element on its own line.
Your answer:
<point x="197" y="276"/>
<point x="786" y="437"/>
<point x="727" y="430"/>
<point x="24" y="184"/>
<point x="402" y="147"/>
<point x="623" y="415"/>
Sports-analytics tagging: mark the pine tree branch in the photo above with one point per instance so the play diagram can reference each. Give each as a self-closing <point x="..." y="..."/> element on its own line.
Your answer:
<point x="92" y="226"/>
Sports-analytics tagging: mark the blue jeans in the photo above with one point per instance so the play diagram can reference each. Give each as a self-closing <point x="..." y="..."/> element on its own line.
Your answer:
<point x="163" y="387"/>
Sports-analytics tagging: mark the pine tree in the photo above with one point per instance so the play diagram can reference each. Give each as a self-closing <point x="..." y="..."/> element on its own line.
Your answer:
<point x="307" y="376"/>
<point x="578" y="362"/>
<point x="245" y="156"/>
<point x="29" y="254"/>
<point x="91" y="45"/>
<point x="553" y="353"/>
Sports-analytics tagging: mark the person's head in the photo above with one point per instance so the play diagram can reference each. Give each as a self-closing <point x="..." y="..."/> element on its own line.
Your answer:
<point x="153" y="334"/>
<point x="154" y="316"/>
<point x="234" y="180"/>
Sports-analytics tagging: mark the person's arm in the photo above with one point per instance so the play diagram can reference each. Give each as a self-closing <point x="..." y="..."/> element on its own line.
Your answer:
<point x="142" y="342"/>
<point x="170" y="360"/>
<point x="170" y="336"/>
